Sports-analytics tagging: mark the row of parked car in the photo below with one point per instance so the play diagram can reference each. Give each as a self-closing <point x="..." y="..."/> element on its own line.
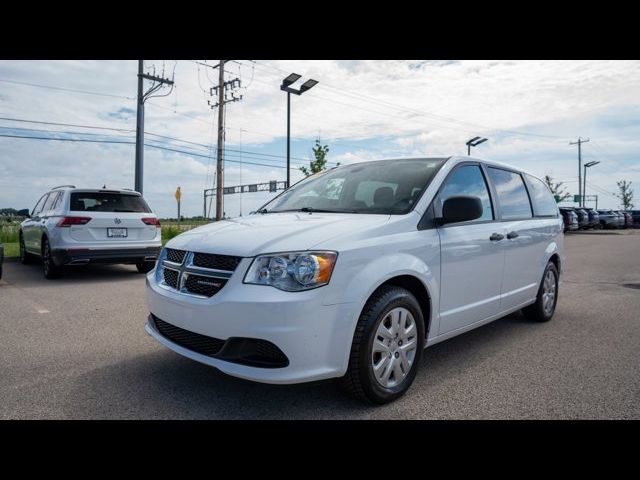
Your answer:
<point x="585" y="218"/>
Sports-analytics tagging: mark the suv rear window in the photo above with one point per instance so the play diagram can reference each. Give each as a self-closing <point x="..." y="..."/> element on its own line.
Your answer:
<point x="107" y="202"/>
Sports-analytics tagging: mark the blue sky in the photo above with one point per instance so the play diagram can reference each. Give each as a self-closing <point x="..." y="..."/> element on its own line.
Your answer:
<point x="364" y="110"/>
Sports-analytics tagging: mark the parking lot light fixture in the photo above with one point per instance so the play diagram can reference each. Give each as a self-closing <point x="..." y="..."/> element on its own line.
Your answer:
<point x="286" y="87"/>
<point x="474" y="142"/>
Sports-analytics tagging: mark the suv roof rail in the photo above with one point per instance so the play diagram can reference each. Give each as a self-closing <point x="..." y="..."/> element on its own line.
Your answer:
<point x="63" y="186"/>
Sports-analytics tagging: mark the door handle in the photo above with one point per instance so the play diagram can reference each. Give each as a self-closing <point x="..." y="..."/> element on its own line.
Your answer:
<point x="496" y="237"/>
<point x="512" y="235"/>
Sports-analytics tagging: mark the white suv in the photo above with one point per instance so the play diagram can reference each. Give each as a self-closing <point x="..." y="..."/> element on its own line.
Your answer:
<point x="76" y="226"/>
<point x="352" y="272"/>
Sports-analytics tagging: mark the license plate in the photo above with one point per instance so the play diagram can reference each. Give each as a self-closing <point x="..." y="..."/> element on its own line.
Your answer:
<point x="117" y="232"/>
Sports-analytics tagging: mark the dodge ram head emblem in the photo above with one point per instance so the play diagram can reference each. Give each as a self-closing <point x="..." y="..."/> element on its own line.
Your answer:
<point x="117" y="221"/>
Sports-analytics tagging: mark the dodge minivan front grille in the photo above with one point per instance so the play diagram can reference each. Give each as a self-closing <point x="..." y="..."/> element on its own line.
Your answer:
<point x="196" y="274"/>
<point x="175" y="256"/>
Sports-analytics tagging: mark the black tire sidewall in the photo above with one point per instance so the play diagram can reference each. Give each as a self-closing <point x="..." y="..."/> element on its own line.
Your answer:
<point x="397" y="297"/>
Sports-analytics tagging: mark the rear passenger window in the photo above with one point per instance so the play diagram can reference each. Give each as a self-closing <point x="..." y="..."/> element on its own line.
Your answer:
<point x="544" y="205"/>
<point x="467" y="180"/>
<point x="512" y="194"/>
<point x="51" y="202"/>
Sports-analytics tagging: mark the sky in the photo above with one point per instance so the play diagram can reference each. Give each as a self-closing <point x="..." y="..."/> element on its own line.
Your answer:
<point x="530" y="111"/>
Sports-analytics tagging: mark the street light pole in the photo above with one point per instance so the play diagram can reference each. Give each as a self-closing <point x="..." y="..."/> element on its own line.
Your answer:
<point x="584" y="188"/>
<point x="288" y="139"/>
<point x="286" y="87"/>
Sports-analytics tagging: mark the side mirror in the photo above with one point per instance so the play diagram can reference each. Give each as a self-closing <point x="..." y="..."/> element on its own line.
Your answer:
<point x="460" y="209"/>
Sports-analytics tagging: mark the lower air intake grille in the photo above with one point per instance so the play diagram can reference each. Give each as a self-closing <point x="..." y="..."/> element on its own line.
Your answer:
<point x="193" y="341"/>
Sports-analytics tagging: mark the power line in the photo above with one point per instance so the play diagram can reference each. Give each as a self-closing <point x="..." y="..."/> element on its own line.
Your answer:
<point x="85" y="92"/>
<point x="133" y="143"/>
<point x="244" y="151"/>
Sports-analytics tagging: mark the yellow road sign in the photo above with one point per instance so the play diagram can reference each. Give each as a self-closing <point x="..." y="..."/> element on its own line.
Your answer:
<point x="178" y="194"/>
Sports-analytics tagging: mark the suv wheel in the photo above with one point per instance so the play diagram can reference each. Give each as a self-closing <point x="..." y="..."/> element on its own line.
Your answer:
<point x="387" y="347"/>
<point x="145" y="267"/>
<point x="545" y="306"/>
<point x="49" y="268"/>
<point x="25" y="257"/>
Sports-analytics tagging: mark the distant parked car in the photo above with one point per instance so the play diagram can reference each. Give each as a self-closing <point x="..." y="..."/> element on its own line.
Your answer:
<point x="1" y="258"/>
<point x="594" y="217"/>
<point x="77" y="226"/>
<point x="635" y="214"/>
<point x="570" y="219"/>
<point x="608" y="219"/>
<point x="583" y="218"/>
<point x="628" y="220"/>
<point x="620" y="216"/>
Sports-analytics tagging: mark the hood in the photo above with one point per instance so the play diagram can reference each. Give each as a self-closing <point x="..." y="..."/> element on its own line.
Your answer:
<point x="274" y="232"/>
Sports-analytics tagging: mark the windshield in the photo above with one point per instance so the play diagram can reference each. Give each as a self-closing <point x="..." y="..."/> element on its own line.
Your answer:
<point x="390" y="187"/>
<point x="107" y="202"/>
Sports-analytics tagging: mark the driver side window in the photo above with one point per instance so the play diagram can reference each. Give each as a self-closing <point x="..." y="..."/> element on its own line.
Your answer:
<point x="38" y="208"/>
<point x="466" y="180"/>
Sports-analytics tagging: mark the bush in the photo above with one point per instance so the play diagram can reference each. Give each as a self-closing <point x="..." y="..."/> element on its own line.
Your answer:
<point x="169" y="232"/>
<point x="9" y="233"/>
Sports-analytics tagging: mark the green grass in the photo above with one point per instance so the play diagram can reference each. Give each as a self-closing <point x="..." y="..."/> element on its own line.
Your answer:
<point x="9" y="233"/>
<point x="11" y="250"/>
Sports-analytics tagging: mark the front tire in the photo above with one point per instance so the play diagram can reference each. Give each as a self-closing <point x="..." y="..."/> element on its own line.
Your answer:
<point x="545" y="306"/>
<point x="25" y="257"/>
<point x="387" y="347"/>
<point x="49" y="268"/>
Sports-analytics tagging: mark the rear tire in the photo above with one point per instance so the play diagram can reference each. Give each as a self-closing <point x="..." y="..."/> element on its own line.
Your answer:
<point x="145" y="267"/>
<point x="545" y="306"/>
<point x="49" y="268"/>
<point x="25" y="257"/>
<point x="387" y="347"/>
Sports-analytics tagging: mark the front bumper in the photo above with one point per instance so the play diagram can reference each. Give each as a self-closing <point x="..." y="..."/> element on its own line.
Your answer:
<point x="315" y="338"/>
<point x="82" y="256"/>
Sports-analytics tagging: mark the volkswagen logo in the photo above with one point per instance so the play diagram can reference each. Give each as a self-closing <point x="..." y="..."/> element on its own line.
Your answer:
<point x="117" y="221"/>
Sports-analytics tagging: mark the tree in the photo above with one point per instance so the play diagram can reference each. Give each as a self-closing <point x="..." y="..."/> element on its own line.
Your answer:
<point x="320" y="163"/>
<point x="556" y="189"/>
<point x="625" y="195"/>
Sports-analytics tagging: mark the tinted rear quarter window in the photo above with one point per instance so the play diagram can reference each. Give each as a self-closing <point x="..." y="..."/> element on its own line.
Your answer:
<point x="107" y="202"/>
<point x="544" y="205"/>
<point x="512" y="194"/>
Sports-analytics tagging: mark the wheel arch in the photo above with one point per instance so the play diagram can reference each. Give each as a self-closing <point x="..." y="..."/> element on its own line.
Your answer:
<point x="418" y="289"/>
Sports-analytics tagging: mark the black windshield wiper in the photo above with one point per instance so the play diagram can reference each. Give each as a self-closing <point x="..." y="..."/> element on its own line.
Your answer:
<point x="125" y="211"/>
<point x="313" y="210"/>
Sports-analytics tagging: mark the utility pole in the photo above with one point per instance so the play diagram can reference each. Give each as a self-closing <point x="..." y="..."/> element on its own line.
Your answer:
<point x="219" y="211"/>
<point x="158" y="82"/>
<point x="221" y="92"/>
<point x="580" y="193"/>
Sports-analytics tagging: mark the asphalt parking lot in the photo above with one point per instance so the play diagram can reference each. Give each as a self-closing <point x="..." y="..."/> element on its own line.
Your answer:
<point x="75" y="348"/>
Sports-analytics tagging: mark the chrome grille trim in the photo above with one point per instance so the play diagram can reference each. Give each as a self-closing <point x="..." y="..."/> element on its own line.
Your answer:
<point x="187" y="268"/>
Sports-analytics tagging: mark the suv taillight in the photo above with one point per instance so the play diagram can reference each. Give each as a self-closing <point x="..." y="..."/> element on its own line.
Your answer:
<point x="68" y="221"/>
<point x="151" y="221"/>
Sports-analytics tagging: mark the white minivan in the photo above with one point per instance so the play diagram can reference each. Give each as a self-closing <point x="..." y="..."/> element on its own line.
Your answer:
<point x="352" y="272"/>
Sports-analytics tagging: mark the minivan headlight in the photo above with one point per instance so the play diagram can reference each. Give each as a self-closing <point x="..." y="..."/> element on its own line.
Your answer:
<point x="292" y="271"/>
<point x="160" y="266"/>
